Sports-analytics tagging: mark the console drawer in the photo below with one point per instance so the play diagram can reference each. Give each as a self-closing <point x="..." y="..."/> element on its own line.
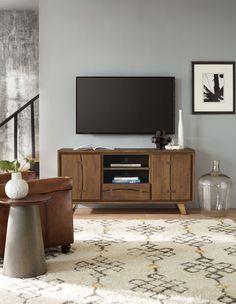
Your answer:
<point x="126" y="192"/>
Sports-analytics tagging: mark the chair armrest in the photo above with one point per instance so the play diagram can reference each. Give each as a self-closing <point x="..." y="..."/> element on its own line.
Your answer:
<point x="2" y="190"/>
<point x="27" y="175"/>
<point x="48" y="185"/>
<point x="5" y="177"/>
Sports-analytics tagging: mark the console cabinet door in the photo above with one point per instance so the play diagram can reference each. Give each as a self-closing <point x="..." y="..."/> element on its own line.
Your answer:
<point x="91" y="176"/>
<point x="70" y="165"/>
<point x="85" y="170"/>
<point x="181" y="176"/>
<point x="160" y="177"/>
<point x="171" y="176"/>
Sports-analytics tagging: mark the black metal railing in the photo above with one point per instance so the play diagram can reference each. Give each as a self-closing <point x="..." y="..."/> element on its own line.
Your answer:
<point x="14" y="116"/>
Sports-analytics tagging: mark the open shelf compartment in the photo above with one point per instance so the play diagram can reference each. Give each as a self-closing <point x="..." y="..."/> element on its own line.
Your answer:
<point x="125" y="161"/>
<point x="143" y="175"/>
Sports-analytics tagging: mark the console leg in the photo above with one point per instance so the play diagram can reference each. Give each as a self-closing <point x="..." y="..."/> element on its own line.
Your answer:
<point x="65" y="248"/>
<point x="74" y="206"/>
<point x="182" y="208"/>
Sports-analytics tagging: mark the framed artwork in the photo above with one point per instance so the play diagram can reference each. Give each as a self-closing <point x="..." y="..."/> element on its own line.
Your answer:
<point x="213" y="87"/>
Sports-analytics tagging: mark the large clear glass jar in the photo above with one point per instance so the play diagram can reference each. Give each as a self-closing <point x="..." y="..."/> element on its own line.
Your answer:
<point x="214" y="191"/>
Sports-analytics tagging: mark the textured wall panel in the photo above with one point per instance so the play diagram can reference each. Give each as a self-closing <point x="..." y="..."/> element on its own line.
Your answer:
<point x="18" y="77"/>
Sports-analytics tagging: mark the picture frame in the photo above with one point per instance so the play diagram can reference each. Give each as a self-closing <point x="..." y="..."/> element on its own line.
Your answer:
<point x="213" y="87"/>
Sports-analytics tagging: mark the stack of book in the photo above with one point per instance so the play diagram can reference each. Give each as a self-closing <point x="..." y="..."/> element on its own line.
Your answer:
<point x="126" y="180"/>
<point x="125" y="165"/>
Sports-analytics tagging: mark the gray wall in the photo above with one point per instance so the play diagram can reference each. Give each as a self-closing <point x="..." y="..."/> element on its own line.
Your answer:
<point x="133" y="37"/>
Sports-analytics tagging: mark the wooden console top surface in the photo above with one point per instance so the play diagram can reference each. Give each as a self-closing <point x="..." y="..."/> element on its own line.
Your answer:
<point x="125" y="150"/>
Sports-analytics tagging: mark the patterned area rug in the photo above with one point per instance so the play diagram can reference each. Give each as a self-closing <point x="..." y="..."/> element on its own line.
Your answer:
<point x="136" y="262"/>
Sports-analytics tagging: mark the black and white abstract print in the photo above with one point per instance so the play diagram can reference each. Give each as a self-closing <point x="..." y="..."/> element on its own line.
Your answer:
<point x="213" y="87"/>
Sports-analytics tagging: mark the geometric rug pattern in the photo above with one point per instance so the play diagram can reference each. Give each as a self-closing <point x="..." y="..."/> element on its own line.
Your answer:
<point x="136" y="262"/>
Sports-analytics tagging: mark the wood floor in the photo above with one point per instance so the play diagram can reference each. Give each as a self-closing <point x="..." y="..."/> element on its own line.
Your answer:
<point x="142" y="214"/>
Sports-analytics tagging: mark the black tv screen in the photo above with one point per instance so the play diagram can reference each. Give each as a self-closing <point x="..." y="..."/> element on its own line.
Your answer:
<point x="125" y="105"/>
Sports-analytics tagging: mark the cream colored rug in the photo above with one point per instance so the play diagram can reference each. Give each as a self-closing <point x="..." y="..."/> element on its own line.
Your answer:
<point x="136" y="262"/>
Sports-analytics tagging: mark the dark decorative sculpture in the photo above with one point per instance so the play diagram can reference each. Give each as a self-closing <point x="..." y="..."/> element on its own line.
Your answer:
<point x="160" y="140"/>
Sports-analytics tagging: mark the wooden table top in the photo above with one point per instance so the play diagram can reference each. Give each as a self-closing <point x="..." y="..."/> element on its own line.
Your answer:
<point x="31" y="199"/>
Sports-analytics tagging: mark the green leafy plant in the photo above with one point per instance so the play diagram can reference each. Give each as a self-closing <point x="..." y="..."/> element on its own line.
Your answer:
<point x="14" y="166"/>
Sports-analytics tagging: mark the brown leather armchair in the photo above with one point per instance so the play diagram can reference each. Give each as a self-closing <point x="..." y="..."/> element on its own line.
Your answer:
<point x="56" y="214"/>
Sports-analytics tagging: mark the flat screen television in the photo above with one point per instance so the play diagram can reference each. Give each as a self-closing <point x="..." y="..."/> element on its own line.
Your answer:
<point x="125" y="105"/>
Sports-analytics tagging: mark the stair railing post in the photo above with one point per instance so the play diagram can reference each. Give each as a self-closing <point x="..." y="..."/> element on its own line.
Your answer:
<point x="14" y="116"/>
<point x="15" y="136"/>
<point x="32" y="130"/>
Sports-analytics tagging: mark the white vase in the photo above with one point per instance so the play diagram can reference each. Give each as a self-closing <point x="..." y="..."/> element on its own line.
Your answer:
<point x="17" y="187"/>
<point x="180" y="131"/>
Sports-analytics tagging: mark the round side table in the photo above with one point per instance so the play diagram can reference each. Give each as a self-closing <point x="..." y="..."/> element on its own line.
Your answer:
<point x="24" y="249"/>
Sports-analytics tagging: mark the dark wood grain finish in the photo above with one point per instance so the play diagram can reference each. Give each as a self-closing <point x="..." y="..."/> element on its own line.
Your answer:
<point x="34" y="199"/>
<point x="123" y="151"/>
<point x="91" y="177"/>
<point x="160" y="177"/>
<point x="181" y="177"/>
<point x="126" y="192"/>
<point x="85" y="171"/>
<point x="166" y="176"/>
<point x="70" y="165"/>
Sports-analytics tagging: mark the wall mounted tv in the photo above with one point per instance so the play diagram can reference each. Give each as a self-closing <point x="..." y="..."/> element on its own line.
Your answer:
<point x="125" y="105"/>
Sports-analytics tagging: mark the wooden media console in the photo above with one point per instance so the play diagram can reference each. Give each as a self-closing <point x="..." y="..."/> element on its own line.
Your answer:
<point x="130" y="176"/>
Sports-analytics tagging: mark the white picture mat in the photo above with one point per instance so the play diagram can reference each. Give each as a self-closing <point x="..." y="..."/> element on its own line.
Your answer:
<point x="199" y="104"/>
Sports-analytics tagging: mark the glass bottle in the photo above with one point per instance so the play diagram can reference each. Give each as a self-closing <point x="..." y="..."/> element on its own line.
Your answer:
<point x="214" y="191"/>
